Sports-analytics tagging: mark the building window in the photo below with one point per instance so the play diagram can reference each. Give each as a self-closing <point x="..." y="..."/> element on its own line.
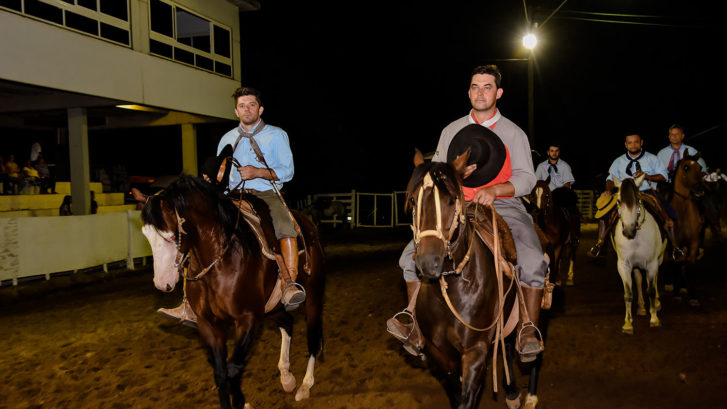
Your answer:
<point x="105" y="19"/>
<point x="186" y="37"/>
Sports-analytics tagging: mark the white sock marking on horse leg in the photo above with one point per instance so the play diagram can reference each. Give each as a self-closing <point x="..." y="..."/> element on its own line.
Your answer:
<point x="570" y="273"/>
<point x="308" y="381"/>
<point x="286" y="378"/>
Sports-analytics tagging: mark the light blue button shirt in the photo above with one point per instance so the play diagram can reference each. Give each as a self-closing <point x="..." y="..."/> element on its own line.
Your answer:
<point x="557" y="179"/>
<point x="664" y="156"/>
<point x="649" y="163"/>
<point x="275" y="147"/>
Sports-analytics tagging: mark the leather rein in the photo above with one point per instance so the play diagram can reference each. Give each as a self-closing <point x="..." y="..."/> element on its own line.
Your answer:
<point x="460" y="218"/>
<point x="181" y="259"/>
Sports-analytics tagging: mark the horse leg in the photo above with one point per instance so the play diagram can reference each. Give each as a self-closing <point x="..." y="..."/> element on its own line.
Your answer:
<point x="244" y="334"/>
<point x="474" y="364"/>
<point x="214" y="338"/>
<point x="689" y="272"/>
<point x="284" y="321"/>
<point x="571" y="262"/>
<point x="512" y="392"/>
<point x="314" y="331"/>
<point x="641" y="309"/>
<point x="531" y="401"/>
<point x="652" y="272"/>
<point x="624" y="270"/>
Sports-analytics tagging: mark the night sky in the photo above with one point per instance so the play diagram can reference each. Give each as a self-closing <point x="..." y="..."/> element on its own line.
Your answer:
<point x="359" y="85"/>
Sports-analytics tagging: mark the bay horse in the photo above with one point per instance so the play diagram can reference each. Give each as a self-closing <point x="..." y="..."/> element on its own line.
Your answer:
<point x="640" y="248"/>
<point x="461" y="312"/>
<point x="561" y="226"/>
<point x="229" y="280"/>
<point x="690" y="223"/>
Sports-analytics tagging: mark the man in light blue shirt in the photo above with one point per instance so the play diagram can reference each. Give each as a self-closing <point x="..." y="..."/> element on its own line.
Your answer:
<point x="557" y="169"/>
<point x="632" y="164"/>
<point x="264" y="157"/>
<point x="670" y="155"/>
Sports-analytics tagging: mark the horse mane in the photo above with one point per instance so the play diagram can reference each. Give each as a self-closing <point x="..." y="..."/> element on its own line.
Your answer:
<point x="443" y="175"/>
<point x="628" y="192"/>
<point x="184" y="195"/>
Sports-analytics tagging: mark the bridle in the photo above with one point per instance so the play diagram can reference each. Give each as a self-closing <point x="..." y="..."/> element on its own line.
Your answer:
<point x="439" y="232"/>
<point x="640" y="213"/>
<point x="181" y="260"/>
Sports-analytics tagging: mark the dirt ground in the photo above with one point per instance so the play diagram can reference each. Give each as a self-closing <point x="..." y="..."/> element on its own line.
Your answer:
<point x="92" y="340"/>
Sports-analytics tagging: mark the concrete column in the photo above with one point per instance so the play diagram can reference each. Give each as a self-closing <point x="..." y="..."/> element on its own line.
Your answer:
<point x="189" y="149"/>
<point x="78" y="150"/>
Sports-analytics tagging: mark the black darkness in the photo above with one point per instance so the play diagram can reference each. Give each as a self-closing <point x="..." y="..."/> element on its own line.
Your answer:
<point x="358" y="85"/>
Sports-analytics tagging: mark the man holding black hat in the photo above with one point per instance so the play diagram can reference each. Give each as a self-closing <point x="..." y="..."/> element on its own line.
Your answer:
<point x="504" y="192"/>
<point x="264" y="157"/>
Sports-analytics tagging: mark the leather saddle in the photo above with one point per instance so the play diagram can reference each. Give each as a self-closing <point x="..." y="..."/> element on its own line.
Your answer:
<point x="481" y="219"/>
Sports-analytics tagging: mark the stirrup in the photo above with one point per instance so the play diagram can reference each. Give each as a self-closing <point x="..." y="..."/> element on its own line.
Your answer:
<point x="408" y="345"/>
<point x="677" y="253"/>
<point x="297" y="299"/>
<point x="530" y="356"/>
<point x="595" y="251"/>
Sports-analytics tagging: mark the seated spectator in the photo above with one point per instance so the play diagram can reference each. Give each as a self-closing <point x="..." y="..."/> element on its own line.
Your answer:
<point x="47" y="181"/>
<point x="14" y="175"/>
<point x="94" y="205"/>
<point x="65" y="209"/>
<point x="30" y="175"/>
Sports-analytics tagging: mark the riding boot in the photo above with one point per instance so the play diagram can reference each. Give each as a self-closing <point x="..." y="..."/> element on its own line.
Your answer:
<point x="528" y="344"/>
<point x="182" y="313"/>
<point x="408" y="332"/>
<point x="605" y="224"/>
<point x="293" y="293"/>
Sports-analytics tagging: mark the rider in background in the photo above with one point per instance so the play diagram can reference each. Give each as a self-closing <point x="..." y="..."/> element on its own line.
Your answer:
<point x="557" y="169"/>
<point x="484" y="91"/>
<point x="634" y="163"/>
<point x="670" y="155"/>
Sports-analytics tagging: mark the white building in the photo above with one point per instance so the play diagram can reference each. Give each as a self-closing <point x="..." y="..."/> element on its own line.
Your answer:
<point x="124" y="63"/>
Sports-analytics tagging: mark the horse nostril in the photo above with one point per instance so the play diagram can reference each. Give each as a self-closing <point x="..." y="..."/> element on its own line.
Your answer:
<point x="169" y="287"/>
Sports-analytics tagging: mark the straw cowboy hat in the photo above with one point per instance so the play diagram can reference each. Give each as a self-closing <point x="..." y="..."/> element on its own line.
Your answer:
<point x="486" y="150"/>
<point x="604" y="204"/>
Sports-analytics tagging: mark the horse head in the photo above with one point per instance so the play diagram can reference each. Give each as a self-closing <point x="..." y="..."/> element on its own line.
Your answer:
<point x="186" y="213"/>
<point x="542" y="195"/>
<point x="435" y="196"/>
<point x="630" y="209"/>
<point x="688" y="172"/>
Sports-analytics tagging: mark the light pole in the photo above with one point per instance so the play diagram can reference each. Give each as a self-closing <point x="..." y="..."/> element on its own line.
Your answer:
<point x="530" y="41"/>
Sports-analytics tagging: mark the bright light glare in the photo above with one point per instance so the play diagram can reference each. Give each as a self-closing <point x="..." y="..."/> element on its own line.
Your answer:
<point x="530" y="41"/>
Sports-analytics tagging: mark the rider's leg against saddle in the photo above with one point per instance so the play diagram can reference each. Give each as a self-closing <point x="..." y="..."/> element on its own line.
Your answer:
<point x="292" y="294"/>
<point x="182" y="313"/>
<point x="605" y="224"/>
<point x="403" y="325"/>
<point x="665" y="216"/>
<point x="531" y="270"/>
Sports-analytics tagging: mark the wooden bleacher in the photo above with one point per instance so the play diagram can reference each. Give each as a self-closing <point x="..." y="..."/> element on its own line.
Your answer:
<point x="48" y="204"/>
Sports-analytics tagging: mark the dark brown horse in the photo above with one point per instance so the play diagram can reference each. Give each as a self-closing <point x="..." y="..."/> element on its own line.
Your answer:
<point x="230" y="279"/>
<point x="459" y="270"/>
<point x="690" y="223"/>
<point x="560" y="224"/>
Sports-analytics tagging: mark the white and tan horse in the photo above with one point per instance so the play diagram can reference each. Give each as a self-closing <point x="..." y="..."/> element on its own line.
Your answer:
<point x="640" y="248"/>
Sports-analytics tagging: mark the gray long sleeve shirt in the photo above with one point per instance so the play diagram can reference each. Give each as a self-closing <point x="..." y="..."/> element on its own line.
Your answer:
<point x="523" y="175"/>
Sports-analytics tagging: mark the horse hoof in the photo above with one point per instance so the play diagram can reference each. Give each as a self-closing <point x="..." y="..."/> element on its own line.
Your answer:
<point x="695" y="303"/>
<point x="629" y="331"/>
<point x="668" y="287"/>
<point x="569" y="283"/>
<point x="303" y="393"/>
<point x="655" y="324"/>
<point x="531" y="402"/>
<point x="513" y="403"/>
<point x="641" y="312"/>
<point x="288" y="382"/>
<point x="248" y="406"/>
<point x="658" y="306"/>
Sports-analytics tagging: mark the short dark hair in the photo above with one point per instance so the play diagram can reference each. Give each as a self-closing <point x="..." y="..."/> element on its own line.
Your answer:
<point x="242" y="91"/>
<point x="489" y="69"/>
<point x="676" y="126"/>
<point x="633" y="133"/>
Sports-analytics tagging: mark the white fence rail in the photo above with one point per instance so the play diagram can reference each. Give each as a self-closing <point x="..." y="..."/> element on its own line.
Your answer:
<point x="31" y="246"/>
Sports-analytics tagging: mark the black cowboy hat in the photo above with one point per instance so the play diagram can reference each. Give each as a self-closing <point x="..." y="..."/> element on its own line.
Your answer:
<point x="486" y="150"/>
<point x="212" y="166"/>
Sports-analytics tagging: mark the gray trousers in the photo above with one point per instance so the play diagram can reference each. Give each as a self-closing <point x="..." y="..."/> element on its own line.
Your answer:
<point x="531" y="265"/>
<point x="281" y="220"/>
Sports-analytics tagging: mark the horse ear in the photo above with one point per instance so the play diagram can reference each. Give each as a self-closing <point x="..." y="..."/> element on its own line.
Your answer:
<point x="616" y="181"/>
<point x="460" y="162"/>
<point x="418" y="157"/>
<point x="140" y="197"/>
<point x="640" y="180"/>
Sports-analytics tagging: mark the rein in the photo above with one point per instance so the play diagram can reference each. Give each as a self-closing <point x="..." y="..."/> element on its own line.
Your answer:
<point x="182" y="258"/>
<point x="639" y="213"/>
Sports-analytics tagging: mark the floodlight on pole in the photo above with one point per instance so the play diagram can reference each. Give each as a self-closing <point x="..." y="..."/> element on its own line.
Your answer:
<point x="530" y="41"/>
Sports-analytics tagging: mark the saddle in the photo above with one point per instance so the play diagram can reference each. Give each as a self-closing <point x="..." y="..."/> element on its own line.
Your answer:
<point x="256" y="214"/>
<point x="482" y="221"/>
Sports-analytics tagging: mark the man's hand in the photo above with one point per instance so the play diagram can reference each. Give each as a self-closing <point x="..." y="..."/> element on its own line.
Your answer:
<point x="468" y="170"/>
<point x="605" y="193"/>
<point x="248" y="172"/>
<point x="639" y="173"/>
<point x="485" y="196"/>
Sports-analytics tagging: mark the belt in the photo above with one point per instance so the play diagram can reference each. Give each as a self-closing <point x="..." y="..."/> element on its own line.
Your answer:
<point x="250" y="191"/>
